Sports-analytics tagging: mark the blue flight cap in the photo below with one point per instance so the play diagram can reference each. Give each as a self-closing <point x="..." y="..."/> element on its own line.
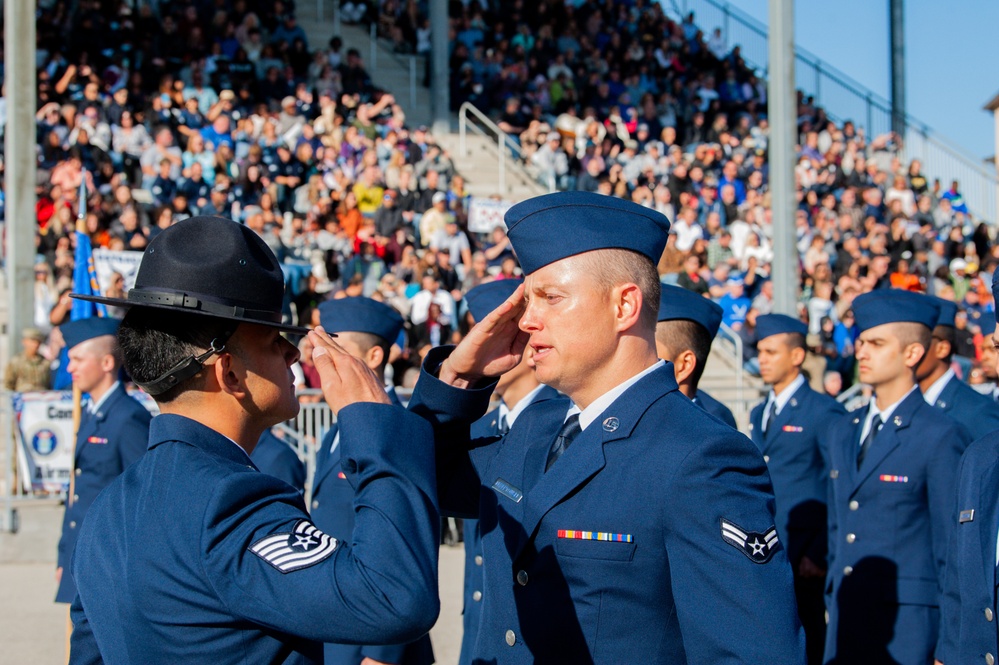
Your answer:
<point x="79" y="331"/>
<point x="988" y="326"/>
<point x="777" y="324"/>
<point x="484" y="298"/>
<point x="948" y="310"/>
<point x="362" y="315"/>
<point x="676" y="302"/>
<point x="548" y="228"/>
<point x="894" y="306"/>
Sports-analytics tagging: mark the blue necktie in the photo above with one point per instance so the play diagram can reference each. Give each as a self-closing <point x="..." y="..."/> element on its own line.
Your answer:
<point x="565" y="436"/>
<point x="876" y="426"/>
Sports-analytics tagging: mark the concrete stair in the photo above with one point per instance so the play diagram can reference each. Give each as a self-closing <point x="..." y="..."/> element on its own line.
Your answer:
<point x="719" y="379"/>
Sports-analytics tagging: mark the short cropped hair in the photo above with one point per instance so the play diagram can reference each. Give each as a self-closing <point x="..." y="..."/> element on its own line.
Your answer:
<point x="909" y="332"/>
<point x="612" y="267"/>
<point x="682" y="335"/>
<point x="367" y="341"/>
<point x="946" y="334"/>
<point x="152" y="341"/>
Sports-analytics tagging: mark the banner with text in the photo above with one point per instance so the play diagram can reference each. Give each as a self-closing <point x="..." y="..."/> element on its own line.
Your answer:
<point x="486" y="214"/>
<point x="108" y="261"/>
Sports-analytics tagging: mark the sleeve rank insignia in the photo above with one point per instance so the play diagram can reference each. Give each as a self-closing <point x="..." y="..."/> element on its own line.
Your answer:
<point x="758" y="547"/>
<point x="300" y="548"/>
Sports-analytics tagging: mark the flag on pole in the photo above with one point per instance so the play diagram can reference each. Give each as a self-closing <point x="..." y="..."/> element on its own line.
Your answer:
<point x="84" y="272"/>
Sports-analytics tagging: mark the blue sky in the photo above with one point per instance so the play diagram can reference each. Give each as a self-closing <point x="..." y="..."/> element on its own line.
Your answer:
<point x="951" y="67"/>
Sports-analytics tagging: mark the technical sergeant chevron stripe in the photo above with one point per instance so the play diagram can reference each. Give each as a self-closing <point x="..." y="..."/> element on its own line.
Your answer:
<point x="300" y="548"/>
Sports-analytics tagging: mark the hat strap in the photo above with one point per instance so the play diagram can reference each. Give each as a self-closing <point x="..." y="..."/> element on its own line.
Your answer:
<point x="185" y="369"/>
<point x="185" y="301"/>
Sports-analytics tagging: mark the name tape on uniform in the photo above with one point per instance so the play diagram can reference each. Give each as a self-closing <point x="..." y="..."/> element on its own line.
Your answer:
<point x="303" y="546"/>
<point x="508" y="490"/>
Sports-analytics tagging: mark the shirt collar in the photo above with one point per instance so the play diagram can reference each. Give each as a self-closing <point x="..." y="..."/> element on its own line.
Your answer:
<point x="600" y="404"/>
<point x="518" y="408"/>
<point x="933" y="393"/>
<point x="786" y="394"/>
<point x="886" y="414"/>
<point x="95" y="407"/>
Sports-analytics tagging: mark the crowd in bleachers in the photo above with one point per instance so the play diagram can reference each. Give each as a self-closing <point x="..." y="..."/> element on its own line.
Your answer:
<point x="621" y="99"/>
<point x="226" y="108"/>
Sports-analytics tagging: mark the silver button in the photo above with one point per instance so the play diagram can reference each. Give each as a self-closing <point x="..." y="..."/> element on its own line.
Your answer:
<point x="477" y="596"/>
<point x="854" y="505"/>
<point x="72" y="525"/>
<point x="478" y="559"/>
<point x="766" y="458"/>
<point x="76" y="497"/>
<point x="511" y="637"/>
<point x="848" y="570"/>
<point x="851" y="537"/>
<point x="989" y="659"/>
<point x="315" y="504"/>
<point x="988" y="614"/>
<point x="522" y="578"/>
<point x="79" y="471"/>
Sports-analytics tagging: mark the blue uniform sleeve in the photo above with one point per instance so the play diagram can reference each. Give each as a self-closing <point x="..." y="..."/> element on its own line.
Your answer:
<point x="451" y="412"/>
<point x="950" y="599"/>
<point x="392" y="653"/>
<point x="132" y="437"/>
<point x="270" y="565"/>
<point x="83" y="649"/>
<point x="754" y="618"/>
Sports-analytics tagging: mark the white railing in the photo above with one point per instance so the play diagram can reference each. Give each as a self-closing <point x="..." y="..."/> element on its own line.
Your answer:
<point x="734" y="353"/>
<point x="471" y="118"/>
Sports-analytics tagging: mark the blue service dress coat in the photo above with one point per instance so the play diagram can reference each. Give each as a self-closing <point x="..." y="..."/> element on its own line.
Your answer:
<point x="332" y="511"/>
<point x="483" y="429"/>
<point x="651" y="540"/>
<point x="274" y="456"/>
<point x="715" y="408"/>
<point x="975" y="411"/>
<point x="889" y="523"/>
<point x="792" y="449"/>
<point x="969" y="609"/>
<point x="192" y="555"/>
<point x="107" y="443"/>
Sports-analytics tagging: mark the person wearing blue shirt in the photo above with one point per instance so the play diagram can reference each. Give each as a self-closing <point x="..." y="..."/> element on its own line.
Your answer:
<point x="969" y="608"/>
<point x="628" y="526"/>
<point x="735" y="305"/>
<point x="192" y="554"/>
<point x="687" y="325"/>
<point x="892" y="481"/>
<point x="113" y="432"/>
<point x="274" y="456"/>
<point x="365" y="328"/>
<point x="788" y="426"/>
<point x="943" y="389"/>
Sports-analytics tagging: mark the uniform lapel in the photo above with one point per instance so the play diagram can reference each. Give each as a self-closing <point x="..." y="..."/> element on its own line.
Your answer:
<point x="887" y="440"/>
<point x="948" y="396"/>
<point x="585" y="457"/>
<point x="785" y="416"/>
<point x="756" y="424"/>
<point x="987" y="522"/>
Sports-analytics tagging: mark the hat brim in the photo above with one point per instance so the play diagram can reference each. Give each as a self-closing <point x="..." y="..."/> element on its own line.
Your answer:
<point x="127" y="304"/>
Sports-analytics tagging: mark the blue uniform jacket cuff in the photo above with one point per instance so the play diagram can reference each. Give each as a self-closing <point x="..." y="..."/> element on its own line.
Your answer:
<point x="445" y="405"/>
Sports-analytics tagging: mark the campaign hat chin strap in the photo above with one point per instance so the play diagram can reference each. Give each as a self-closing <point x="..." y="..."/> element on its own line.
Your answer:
<point x="186" y="368"/>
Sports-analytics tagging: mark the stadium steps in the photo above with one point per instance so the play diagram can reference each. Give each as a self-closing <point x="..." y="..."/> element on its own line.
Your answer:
<point x="719" y="379"/>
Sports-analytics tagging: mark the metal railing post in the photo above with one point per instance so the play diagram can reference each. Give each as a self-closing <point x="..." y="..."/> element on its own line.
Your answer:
<point x="374" y="46"/>
<point x="818" y="81"/>
<point x="462" y="120"/>
<point x="412" y="81"/>
<point x="7" y="423"/>
<point x="501" y="141"/>
<point x="725" y="23"/>
<point x="870" y="117"/>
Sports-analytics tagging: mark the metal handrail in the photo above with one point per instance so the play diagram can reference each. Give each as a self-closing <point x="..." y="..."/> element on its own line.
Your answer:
<point x="504" y="143"/>
<point x="731" y="335"/>
<point x="942" y="158"/>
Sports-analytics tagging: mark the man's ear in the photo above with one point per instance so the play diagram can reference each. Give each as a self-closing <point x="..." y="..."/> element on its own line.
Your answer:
<point x="230" y="375"/>
<point x="627" y="301"/>
<point x="798" y="355"/>
<point x="940" y="348"/>
<point x="374" y="357"/>
<point x="684" y="365"/>
<point x="913" y="354"/>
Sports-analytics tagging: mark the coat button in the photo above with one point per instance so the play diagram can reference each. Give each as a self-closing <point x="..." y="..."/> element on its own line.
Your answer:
<point x="478" y="559"/>
<point x="477" y="596"/>
<point x="851" y="537"/>
<point x="511" y="637"/>
<point x="72" y="525"/>
<point x="766" y="458"/>
<point x="848" y="571"/>
<point x="315" y="504"/>
<point x="854" y="505"/>
<point x="988" y="614"/>
<point x="522" y="578"/>
<point x="76" y="497"/>
<point x="79" y="471"/>
<point x="989" y="659"/>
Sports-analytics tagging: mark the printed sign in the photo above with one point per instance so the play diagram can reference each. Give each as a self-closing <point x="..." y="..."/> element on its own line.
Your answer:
<point x="486" y="214"/>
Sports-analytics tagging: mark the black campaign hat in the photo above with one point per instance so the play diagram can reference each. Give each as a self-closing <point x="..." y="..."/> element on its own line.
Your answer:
<point x="210" y="266"/>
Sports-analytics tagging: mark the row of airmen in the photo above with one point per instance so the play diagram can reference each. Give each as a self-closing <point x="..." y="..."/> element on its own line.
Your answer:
<point x="712" y="542"/>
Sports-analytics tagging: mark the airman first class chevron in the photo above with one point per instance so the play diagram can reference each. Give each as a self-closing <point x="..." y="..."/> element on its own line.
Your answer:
<point x="759" y="547"/>
<point x="300" y="548"/>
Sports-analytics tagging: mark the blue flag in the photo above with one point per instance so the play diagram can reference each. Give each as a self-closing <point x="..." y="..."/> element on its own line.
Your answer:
<point x="84" y="273"/>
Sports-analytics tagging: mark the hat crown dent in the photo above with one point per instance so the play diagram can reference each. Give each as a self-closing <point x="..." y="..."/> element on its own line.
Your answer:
<point x="215" y="259"/>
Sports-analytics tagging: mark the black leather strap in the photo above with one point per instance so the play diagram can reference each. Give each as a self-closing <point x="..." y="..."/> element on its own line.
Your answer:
<point x="185" y="369"/>
<point x="193" y="302"/>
